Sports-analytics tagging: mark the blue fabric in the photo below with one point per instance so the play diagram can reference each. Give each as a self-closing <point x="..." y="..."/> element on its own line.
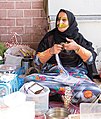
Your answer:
<point x="20" y="71"/>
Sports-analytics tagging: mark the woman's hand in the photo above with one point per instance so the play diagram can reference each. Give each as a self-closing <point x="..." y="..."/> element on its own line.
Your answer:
<point x="56" y="49"/>
<point x="72" y="45"/>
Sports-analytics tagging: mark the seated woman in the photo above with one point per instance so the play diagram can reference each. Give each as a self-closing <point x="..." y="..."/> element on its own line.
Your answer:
<point x="76" y="53"/>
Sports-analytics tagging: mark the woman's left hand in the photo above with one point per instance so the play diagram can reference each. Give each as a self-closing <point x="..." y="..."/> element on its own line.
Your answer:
<point x="72" y="45"/>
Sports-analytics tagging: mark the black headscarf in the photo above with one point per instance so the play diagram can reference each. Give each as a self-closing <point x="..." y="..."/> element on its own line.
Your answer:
<point x="72" y="30"/>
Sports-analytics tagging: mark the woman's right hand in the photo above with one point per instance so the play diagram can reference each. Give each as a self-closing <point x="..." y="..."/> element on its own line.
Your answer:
<point x="56" y="49"/>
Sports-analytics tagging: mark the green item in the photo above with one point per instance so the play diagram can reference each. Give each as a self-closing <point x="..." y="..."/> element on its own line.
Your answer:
<point x="1" y="62"/>
<point x="3" y="48"/>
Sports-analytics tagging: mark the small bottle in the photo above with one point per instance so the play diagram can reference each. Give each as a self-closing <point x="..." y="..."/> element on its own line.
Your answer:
<point x="26" y="62"/>
<point x="67" y="97"/>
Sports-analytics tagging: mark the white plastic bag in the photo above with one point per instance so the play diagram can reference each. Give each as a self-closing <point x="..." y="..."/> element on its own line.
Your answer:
<point x="16" y="51"/>
<point x="14" y="60"/>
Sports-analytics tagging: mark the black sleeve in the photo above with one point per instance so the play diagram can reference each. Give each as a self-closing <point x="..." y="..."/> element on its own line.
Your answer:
<point x="86" y="44"/>
<point x="46" y="42"/>
<point x="43" y="45"/>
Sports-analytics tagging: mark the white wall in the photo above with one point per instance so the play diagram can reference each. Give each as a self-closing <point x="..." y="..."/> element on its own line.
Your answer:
<point x="91" y="30"/>
<point x="78" y="7"/>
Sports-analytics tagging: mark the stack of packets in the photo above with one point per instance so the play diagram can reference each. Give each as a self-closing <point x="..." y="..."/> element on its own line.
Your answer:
<point x="15" y="106"/>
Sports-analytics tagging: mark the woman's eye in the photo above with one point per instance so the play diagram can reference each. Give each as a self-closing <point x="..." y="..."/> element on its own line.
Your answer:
<point x="64" y="20"/>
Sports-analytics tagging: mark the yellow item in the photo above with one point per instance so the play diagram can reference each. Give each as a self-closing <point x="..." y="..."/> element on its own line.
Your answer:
<point x="24" y="54"/>
<point x="62" y="25"/>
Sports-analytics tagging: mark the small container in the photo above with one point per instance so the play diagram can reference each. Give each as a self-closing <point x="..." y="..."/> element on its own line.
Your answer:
<point x="41" y="100"/>
<point x="26" y="62"/>
<point x="67" y="97"/>
<point x="57" y="113"/>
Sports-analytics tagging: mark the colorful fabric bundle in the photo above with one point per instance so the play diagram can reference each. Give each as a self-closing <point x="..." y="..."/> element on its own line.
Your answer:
<point x="56" y="77"/>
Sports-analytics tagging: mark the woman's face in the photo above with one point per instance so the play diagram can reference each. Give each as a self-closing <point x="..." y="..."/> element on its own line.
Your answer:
<point x="62" y="22"/>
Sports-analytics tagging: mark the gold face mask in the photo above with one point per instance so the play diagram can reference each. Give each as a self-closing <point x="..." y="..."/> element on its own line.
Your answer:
<point x="62" y="25"/>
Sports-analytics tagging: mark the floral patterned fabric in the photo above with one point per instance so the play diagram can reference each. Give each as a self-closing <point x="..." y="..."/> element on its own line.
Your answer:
<point x="57" y="78"/>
